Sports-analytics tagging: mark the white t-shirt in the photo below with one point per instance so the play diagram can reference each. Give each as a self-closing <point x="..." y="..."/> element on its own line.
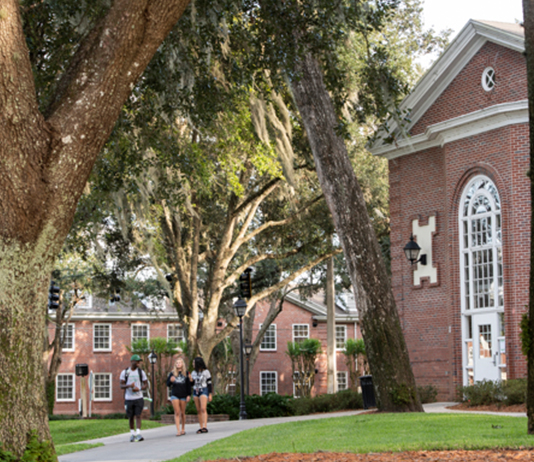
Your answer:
<point x="133" y="377"/>
<point x="200" y="379"/>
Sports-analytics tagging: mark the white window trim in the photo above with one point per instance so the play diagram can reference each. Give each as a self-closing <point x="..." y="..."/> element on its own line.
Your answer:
<point x="86" y="303"/>
<point x="179" y="326"/>
<point x="299" y="324"/>
<point x="63" y="400"/>
<point x="275" y="339"/>
<point x="110" y="386"/>
<point x="70" y="324"/>
<point x="110" y="336"/>
<point x="139" y="325"/>
<point x="275" y="381"/>
<point x="346" y="336"/>
<point x="346" y="374"/>
<point x="484" y="74"/>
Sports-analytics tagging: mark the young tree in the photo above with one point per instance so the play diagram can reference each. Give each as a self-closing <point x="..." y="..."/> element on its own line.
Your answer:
<point x="47" y="155"/>
<point x="303" y="356"/>
<point x="355" y="359"/>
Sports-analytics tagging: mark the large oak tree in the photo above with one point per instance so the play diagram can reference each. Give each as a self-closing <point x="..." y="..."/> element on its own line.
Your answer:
<point x="46" y="156"/>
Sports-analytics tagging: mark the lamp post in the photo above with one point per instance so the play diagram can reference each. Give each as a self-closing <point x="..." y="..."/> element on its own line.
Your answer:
<point x="240" y="308"/>
<point x="153" y="358"/>
<point x="248" y="352"/>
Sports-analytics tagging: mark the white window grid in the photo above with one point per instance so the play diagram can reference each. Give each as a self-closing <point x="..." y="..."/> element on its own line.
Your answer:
<point x="65" y="387"/>
<point x="102" y="386"/>
<point x="140" y="331"/>
<point x="268" y="342"/>
<point x="101" y="337"/>
<point x="86" y="302"/>
<point x="341" y="337"/>
<point x="301" y="332"/>
<point x="68" y="329"/>
<point x="480" y="226"/>
<point x="175" y="332"/>
<point x="342" y="380"/>
<point x="268" y="382"/>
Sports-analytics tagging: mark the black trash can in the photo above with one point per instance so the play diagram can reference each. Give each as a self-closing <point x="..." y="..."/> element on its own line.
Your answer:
<point x="368" y="391"/>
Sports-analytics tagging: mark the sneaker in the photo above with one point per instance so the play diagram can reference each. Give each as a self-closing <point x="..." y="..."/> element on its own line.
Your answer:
<point x="139" y="438"/>
<point x="132" y="438"/>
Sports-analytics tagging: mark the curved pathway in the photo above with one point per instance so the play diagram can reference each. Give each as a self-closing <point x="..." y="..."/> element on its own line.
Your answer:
<point x="160" y="443"/>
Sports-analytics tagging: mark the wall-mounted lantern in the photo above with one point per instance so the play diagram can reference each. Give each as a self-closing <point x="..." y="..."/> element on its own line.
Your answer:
<point x="411" y="250"/>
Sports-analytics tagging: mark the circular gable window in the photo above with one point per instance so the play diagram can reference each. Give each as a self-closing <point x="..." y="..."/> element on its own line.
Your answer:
<point x="488" y="78"/>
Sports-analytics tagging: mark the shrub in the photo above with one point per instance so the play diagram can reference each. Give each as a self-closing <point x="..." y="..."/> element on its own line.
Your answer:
<point x="342" y="400"/>
<point x="481" y="393"/>
<point x="427" y="394"/>
<point x="515" y="391"/>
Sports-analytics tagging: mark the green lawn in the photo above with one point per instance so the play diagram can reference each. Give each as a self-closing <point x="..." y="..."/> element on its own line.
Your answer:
<point x="373" y="433"/>
<point x="65" y="432"/>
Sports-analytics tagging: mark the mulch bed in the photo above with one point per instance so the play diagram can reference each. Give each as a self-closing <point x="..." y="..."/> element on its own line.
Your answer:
<point x="500" y="455"/>
<point x="490" y="407"/>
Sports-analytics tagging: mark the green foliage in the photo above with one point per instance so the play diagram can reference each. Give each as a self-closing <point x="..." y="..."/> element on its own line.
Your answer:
<point x="303" y="356"/>
<point x="50" y="395"/>
<point x="427" y="394"/>
<point x="340" y="401"/>
<point x="508" y="392"/>
<point x="355" y="359"/>
<point x="36" y="451"/>
<point x="526" y="335"/>
<point x="481" y="393"/>
<point x="515" y="391"/>
<point x="402" y="394"/>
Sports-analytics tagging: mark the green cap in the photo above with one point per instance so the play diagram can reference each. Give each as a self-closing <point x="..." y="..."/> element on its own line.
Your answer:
<point x="135" y="358"/>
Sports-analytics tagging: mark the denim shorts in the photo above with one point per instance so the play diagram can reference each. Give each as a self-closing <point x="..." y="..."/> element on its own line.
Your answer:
<point x="175" y="397"/>
<point x="200" y="391"/>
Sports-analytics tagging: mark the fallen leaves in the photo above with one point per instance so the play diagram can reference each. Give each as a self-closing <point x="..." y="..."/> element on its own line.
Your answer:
<point x="494" y="455"/>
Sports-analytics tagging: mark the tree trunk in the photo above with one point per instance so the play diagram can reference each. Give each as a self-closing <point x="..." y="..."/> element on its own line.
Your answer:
<point x="528" y="14"/>
<point x="331" y="377"/>
<point x="44" y="166"/>
<point x="386" y="349"/>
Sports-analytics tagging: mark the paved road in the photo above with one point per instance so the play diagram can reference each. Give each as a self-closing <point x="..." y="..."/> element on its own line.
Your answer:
<point x="160" y="443"/>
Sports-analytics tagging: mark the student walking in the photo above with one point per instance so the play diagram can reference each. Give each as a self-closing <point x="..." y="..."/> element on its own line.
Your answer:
<point x="202" y="391"/>
<point x="134" y="381"/>
<point x="180" y="382"/>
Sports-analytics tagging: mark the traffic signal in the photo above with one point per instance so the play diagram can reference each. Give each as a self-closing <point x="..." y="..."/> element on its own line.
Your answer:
<point x="115" y="297"/>
<point x="245" y="284"/>
<point x="53" y="296"/>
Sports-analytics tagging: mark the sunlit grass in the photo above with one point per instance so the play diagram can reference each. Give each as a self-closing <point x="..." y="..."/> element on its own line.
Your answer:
<point x="373" y="433"/>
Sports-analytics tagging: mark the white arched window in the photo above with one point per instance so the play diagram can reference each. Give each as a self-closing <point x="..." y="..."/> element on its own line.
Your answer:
<point x="482" y="281"/>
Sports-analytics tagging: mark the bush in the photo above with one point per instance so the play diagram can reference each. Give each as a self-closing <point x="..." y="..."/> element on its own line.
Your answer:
<point x="481" y="393"/>
<point x="340" y="401"/>
<point x="427" y="394"/>
<point x="515" y="391"/>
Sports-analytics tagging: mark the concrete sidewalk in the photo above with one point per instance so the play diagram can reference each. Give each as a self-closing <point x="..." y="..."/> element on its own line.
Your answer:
<point x="161" y="443"/>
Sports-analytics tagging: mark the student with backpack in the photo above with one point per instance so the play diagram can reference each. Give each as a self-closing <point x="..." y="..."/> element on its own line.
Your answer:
<point x="202" y="390"/>
<point x="133" y="382"/>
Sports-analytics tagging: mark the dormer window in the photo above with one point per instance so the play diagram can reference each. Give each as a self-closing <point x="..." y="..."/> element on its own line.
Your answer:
<point x="488" y="79"/>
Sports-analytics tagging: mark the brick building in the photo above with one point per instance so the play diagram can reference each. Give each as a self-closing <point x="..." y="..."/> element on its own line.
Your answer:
<point x="98" y="335"/>
<point x="301" y="319"/>
<point x="458" y="183"/>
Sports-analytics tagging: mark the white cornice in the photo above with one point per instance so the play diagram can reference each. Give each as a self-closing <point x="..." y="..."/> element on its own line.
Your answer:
<point x="133" y="317"/>
<point x="458" y="128"/>
<point x="461" y="50"/>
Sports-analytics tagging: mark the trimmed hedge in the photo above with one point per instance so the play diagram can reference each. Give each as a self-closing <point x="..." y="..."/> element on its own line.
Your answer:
<point x="487" y="392"/>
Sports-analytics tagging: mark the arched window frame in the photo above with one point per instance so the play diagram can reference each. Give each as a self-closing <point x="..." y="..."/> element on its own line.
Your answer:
<point x="482" y="250"/>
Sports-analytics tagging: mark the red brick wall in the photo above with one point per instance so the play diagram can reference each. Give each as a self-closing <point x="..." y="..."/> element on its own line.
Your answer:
<point x="114" y="361"/>
<point x="465" y="93"/>
<point x="279" y="361"/>
<point x="431" y="183"/>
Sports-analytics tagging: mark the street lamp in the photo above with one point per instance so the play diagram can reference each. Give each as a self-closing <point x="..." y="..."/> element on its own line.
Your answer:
<point x="248" y="352"/>
<point x="153" y="358"/>
<point x="240" y="308"/>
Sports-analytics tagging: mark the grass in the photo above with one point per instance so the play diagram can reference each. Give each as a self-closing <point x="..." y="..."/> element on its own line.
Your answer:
<point x="73" y="431"/>
<point x="63" y="449"/>
<point x="373" y="433"/>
